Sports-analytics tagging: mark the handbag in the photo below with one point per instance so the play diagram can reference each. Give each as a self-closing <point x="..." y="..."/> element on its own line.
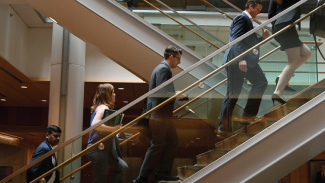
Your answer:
<point x="317" y="26"/>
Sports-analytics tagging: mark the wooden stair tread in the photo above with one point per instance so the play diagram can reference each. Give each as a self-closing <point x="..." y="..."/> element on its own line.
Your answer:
<point x="208" y="157"/>
<point x="187" y="171"/>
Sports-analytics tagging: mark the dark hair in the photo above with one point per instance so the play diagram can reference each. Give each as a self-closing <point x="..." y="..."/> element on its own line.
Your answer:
<point x="52" y="128"/>
<point x="103" y="95"/>
<point x="171" y="50"/>
<point x="253" y="2"/>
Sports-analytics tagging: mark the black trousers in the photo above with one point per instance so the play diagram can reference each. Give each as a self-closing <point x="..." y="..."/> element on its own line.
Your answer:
<point x="103" y="160"/>
<point x="163" y="144"/>
<point x="235" y="84"/>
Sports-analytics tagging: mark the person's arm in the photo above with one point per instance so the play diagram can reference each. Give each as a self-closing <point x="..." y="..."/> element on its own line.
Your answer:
<point x="34" y="171"/>
<point x="238" y="29"/>
<point x="162" y="76"/>
<point x="98" y="117"/>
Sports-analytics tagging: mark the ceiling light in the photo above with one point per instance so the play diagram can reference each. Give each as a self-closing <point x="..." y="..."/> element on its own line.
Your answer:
<point x="120" y="88"/>
<point x="3" y="100"/>
<point x="125" y="102"/>
<point x="44" y="100"/>
<point x="23" y="87"/>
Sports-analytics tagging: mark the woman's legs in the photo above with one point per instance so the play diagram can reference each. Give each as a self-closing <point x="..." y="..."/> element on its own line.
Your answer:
<point x="296" y="57"/>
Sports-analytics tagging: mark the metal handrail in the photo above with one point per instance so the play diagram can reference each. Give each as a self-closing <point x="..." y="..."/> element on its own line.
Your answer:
<point x="222" y="12"/>
<point x="181" y="24"/>
<point x="199" y="96"/>
<point x="76" y="170"/>
<point x="193" y="23"/>
<point x="130" y="138"/>
<point x="156" y="89"/>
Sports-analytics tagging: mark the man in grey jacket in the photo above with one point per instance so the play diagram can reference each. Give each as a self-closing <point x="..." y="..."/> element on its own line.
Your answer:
<point x="164" y="137"/>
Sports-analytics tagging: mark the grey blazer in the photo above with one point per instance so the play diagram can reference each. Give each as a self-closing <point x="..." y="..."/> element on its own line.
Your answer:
<point x="159" y="75"/>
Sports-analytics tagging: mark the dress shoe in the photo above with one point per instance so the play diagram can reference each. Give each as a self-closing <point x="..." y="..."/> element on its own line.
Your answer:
<point x="223" y="134"/>
<point x="287" y="88"/>
<point x="140" y="180"/>
<point x="161" y="177"/>
<point x="276" y="97"/>
<point x="246" y="120"/>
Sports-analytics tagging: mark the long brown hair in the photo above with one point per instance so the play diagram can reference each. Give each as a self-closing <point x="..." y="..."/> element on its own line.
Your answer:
<point x="103" y="96"/>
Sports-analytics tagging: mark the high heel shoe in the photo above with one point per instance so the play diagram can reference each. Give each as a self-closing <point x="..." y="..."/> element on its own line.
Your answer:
<point x="276" y="97"/>
<point x="287" y="88"/>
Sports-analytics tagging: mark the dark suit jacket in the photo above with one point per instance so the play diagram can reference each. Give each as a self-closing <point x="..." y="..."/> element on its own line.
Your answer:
<point x="43" y="166"/>
<point x="159" y="75"/>
<point x="239" y="26"/>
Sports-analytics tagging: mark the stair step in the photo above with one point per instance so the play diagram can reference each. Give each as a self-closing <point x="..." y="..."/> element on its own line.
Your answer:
<point x="187" y="171"/>
<point x="227" y="144"/>
<point x="209" y="156"/>
<point x="233" y="141"/>
<point x="242" y="137"/>
<point x="253" y="128"/>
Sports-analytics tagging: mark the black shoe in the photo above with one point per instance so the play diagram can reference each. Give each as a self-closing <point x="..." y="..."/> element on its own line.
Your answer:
<point x="287" y="88"/>
<point x="276" y="97"/>
<point x="223" y="134"/>
<point x="140" y="180"/>
<point x="161" y="177"/>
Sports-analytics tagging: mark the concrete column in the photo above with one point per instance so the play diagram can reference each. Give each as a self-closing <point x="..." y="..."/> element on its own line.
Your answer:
<point x="67" y="93"/>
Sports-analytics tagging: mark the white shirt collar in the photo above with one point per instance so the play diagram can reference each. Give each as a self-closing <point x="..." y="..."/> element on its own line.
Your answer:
<point x="249" y="15"/>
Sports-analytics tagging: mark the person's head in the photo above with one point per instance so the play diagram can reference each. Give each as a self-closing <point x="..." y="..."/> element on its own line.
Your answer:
<point x="253" y="7"/>
<point x="173" y="56"/>
<point x="104" y="95"/>
<point x="53" y="134"/>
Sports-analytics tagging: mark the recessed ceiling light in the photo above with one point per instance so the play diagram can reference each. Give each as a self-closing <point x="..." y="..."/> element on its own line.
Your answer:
<point x="44" y="100"/>
<point x="23" y="86"/>
<point x="120" y="88"/>
<point x="3" y="100"/>
<point x="125" y="102"/>
<point x="198" y="138"/>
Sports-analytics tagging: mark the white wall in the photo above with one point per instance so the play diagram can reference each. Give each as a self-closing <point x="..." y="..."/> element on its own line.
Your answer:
<point x="13" y="37"/>
<point x="101" y="68"/>
<point x="29" y="50"/>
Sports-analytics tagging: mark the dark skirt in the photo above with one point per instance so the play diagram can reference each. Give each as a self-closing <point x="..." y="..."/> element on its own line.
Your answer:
<point x="287" y="39"/>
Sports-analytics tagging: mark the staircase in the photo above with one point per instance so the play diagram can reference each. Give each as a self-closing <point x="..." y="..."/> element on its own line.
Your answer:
<point x="245" y="133"/>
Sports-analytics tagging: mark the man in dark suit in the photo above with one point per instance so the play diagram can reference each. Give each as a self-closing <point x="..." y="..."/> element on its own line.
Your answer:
<point x="164" y="137"/>
<point x="245" y="67"/>
<point x="52" y="137"/>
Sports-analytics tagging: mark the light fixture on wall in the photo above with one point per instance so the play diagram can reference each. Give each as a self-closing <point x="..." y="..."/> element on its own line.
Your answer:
<point x="53" y="20"/>
<point x="3" y="98"/>
<point x="9" y="139"/>
<point x="23" y="87"/>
